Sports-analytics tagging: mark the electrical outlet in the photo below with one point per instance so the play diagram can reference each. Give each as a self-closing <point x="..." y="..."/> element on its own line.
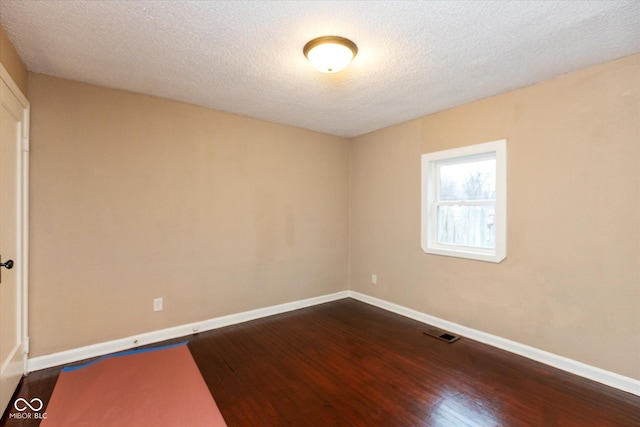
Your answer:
<point x="374" y="279"/>
<point x="157" y="304"/>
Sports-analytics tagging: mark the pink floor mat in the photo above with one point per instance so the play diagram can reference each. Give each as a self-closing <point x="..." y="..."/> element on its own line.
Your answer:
<point x="151" y="387"/>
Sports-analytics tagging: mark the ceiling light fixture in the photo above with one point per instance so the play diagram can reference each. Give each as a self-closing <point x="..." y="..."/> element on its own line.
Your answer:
<point x="330" y="54"/>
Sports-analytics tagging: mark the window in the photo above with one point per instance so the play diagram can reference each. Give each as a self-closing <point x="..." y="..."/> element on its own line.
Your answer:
<point x="464" y="202"/>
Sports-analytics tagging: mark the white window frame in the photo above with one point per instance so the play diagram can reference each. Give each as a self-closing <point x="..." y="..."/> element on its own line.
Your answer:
<point x="430" y="187"/>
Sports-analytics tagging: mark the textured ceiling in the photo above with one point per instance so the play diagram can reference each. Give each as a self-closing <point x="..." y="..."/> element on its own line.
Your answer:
<point x="245" y="57"/>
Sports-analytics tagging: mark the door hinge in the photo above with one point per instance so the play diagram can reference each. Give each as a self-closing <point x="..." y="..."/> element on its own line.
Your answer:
<point x="25" y="143"/>
<point x="25" y="345"/>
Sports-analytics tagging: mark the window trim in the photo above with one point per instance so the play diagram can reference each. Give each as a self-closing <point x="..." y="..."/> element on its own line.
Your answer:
<point x="430" y="180"/>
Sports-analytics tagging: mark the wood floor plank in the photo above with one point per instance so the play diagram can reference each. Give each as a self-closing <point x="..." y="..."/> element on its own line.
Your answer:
<point x="346" y="363"/>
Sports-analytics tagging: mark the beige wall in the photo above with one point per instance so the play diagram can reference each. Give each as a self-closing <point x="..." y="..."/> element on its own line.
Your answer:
<point x="571" y="281"/>
<point x="12" y="62"/>
<point x="135" y="197"/>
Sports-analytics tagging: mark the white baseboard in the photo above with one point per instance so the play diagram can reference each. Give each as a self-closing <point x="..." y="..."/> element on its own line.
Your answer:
<point x="100" y="349"/>
<point x="602" y="376"/>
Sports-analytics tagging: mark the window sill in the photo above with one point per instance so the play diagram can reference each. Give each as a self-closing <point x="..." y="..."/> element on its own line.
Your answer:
<point x="468" y="254"/>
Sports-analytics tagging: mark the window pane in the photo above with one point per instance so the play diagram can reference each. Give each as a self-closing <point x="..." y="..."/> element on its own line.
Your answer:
<point x="467" y="226"/>
<point x="473" y="180"/>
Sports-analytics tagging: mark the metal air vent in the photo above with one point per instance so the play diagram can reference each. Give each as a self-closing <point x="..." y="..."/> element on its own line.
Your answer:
<point x="441" y="335"/>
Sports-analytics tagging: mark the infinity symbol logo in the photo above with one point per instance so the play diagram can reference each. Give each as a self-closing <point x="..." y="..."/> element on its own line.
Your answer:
<point x="35" y="404"/>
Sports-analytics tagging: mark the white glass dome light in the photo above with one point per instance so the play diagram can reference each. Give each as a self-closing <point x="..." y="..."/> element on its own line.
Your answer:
<point x="330" y="54"/>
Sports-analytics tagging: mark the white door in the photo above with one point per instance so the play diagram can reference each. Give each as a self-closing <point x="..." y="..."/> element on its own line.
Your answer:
<point x="13" y="204"/>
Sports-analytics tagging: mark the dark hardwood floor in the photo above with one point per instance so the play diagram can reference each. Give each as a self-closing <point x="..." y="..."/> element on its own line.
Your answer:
<point x="346" y="363"/>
